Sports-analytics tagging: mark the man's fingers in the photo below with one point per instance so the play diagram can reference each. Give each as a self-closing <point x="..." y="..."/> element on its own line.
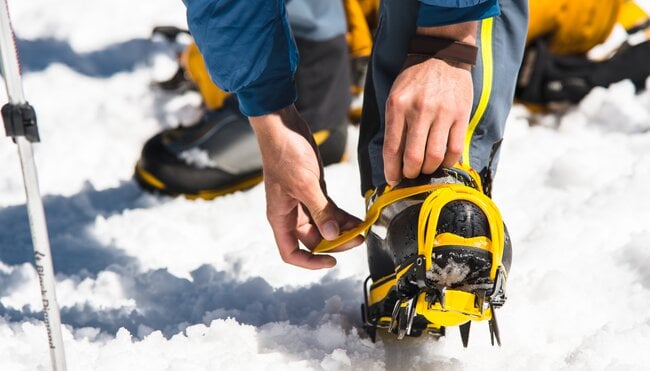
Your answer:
<point x="297" y="205"/>
<point x="455" y="143"/>
<point x="394" y="140"/>
<point x="290" y="252"/>
<point x="347" y="221"/>
<point x="305" y="259"/>
<point x="417" y="130"/>
<point x="436" y="145"/>
<point x="321" y="209"/>
<point x="309" y="235"/>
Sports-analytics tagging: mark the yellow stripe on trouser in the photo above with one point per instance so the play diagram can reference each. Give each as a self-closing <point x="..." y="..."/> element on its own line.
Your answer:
<point x="486" y="90"/>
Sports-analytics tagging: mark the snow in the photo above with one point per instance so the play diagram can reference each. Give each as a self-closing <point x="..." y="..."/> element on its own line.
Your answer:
<point x="154" y="283"/>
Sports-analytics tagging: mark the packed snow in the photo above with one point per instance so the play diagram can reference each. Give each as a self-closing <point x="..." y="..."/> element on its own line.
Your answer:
<point x="156" y="283"/>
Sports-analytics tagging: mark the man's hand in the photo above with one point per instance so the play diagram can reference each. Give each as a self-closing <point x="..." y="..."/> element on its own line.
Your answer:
<point x="428" y="111"/>
<point x="297" y="205"/>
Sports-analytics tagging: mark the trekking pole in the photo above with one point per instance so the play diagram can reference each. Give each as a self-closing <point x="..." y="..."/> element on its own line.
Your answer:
<point x="20" y="124"/>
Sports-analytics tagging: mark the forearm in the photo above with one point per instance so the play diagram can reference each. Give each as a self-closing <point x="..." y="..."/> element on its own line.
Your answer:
<point x="248" y="49"/>
<point x="429" y="104"/>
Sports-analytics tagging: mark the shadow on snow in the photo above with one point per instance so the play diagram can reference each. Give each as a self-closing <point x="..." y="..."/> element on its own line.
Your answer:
<point x="162" y="301"/>
<point x="36" y="55"/>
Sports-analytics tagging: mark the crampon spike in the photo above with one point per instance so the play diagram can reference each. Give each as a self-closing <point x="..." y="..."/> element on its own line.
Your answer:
<point x="372" y="332"/>
<point x="410" y="316"/>
<point x="464" y="332"/>
<point x="370" y="327"/>
<point x="393" y="318"/>
<point x="494" y="327"/>
<point x="402" y="323"/>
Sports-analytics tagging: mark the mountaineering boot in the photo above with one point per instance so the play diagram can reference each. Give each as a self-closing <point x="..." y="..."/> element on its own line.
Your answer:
<point x="438" y="254"/>
<point x="217" y="155"/>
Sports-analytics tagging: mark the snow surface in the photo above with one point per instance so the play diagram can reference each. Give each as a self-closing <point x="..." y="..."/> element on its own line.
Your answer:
<point x="155" y="283"/>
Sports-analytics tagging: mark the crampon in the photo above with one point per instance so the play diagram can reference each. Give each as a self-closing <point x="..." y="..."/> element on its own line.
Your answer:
<point x="438" y="253"/>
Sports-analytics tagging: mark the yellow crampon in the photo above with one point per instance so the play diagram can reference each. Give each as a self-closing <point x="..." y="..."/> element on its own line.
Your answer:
<point x="440" y="306"/>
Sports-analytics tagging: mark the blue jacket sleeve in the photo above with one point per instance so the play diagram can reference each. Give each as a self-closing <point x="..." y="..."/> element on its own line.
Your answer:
<point x="435" y="13"/>
<point x="249" y="50"/>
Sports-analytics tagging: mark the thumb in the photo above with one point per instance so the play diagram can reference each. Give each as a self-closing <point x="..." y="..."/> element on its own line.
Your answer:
<point x="323" y="212"/>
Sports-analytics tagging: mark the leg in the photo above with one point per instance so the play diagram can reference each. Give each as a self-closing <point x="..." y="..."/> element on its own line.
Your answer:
<point x="494" y="86"/>
<point x="445" y="242"/>
<point x="323" y="81"/>
<point x="494" y="82"/>
<point x="220" y="154"/>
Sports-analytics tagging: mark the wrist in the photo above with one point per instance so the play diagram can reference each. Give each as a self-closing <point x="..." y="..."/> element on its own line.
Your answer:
<point x="267" y="122"/>
<point x="273" y="126"/>
<point x="454" y="44"/>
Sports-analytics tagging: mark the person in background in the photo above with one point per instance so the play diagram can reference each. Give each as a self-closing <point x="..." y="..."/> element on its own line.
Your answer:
<point x="574" y="46"/>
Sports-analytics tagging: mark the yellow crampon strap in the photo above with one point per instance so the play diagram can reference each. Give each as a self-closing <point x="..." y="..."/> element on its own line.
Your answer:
<point x="458" y="306"/>
<point x="430" y="212"/>
<point x="372" y="215"/>
<point x="439" y="195"/>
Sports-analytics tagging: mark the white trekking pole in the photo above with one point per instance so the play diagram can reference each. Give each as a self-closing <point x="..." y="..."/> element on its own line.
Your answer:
<point x="20" y="124"/>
